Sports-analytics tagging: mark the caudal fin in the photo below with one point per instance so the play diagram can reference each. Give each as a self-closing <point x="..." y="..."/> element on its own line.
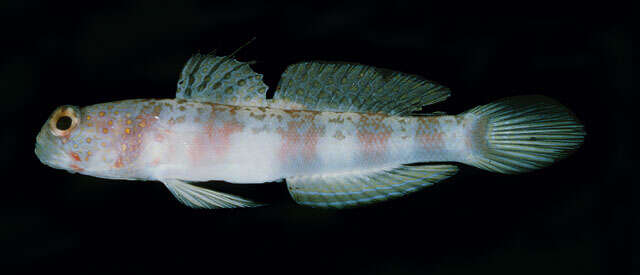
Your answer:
<point x="520" y="134"/>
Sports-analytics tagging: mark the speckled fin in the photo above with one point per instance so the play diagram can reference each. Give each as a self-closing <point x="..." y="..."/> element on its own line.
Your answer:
<point x="522" y="133"/>
<point x="361" y="188"/>
<point x="221" y="79"/>
<point x="198" y="197"/>
<point x="344" y="87"/>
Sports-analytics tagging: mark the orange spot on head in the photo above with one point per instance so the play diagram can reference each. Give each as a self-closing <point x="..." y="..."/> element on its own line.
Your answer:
<point x="105" y="130"/>
<point x="142" y="124"/>
<point x="88" y="140"/>
<point x="75" y="156"/>
<point x="101" y="114"/>
<point x="110" y="122"/>
<point x="128" y="121"/>
<point x="127" y="131"/>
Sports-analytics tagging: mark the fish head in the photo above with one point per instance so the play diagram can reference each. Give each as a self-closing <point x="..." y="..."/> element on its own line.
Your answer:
<point x="68" y="141"/>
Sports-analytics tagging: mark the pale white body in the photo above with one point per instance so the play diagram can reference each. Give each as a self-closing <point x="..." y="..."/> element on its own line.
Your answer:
<point x="272" y="144"/>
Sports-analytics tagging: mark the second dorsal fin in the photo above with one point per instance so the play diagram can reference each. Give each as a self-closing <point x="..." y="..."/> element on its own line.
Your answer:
<point x="345" y="87"/>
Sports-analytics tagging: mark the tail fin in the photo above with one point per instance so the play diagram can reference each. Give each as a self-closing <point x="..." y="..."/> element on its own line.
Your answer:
<point x="520" y="134"/>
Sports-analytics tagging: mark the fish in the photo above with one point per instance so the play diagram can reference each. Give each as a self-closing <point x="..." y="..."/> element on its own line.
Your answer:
<point x="339" y="134"/>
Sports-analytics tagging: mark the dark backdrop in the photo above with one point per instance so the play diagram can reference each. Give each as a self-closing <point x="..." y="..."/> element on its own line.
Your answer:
<point x="572" y="218"/>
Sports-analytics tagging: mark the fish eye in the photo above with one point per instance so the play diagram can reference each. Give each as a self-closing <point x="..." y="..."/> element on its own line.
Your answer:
<point x="63" y="120"/>
<point x="63" y="123"/>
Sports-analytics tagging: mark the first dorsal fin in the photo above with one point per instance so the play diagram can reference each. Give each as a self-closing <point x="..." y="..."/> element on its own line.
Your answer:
<point x="345" y="87"/>
<point x="221" y="79"/>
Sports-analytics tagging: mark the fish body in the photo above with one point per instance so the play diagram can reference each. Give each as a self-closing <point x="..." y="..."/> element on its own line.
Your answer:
<point x="195" y="141"/>
<point x="333" y="150"/>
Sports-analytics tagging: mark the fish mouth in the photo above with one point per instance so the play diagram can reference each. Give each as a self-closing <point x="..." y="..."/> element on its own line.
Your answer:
<point x="48" y="153"/>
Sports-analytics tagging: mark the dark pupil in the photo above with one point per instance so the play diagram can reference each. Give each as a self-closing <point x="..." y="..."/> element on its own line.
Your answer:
<point x="63" y="123"/>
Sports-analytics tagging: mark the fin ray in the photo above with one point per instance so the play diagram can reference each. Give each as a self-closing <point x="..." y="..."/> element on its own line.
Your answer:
<point x="362" y="188"/>
<point x="346" y="87"/>
<point x="222" y="80"/>
<point x="199" y="197"/>
<point x="522" y="133"/>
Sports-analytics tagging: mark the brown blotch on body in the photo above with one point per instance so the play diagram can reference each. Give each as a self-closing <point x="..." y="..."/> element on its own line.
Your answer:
<point x="337" y="120"/>
<point x="157" y="109"/>
<point x="258" y="117"/>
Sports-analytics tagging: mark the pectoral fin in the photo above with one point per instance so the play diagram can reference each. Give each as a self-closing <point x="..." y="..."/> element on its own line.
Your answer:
<point x="198" y="197"/>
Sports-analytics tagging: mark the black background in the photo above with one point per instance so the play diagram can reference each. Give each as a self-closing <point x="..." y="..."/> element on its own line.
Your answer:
<point x="571" y="218"/>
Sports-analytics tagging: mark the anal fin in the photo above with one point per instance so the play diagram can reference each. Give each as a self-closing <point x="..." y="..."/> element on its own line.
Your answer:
<point x="199" y="197"/>
<point x="365" y="187"/>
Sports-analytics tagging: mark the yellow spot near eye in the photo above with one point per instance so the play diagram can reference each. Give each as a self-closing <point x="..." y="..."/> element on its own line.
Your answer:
<point x="88" y="153"/>
<point x="103" y="144"/>
<point x="139" y="135"/>
<point x="105" y="130"/>
<point x="128" y="121"/>
<point x="115" y="113"/>
<point x="142" y="124"/>
<point x="88" y="117"/>
<point x="127" y="130"/>
<point x="75" y="146"/>
<point x="88" y="140"/>
<point x="110" y="122"/>
<point x="124" y="147"/>
<point x="101" y="114"/>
